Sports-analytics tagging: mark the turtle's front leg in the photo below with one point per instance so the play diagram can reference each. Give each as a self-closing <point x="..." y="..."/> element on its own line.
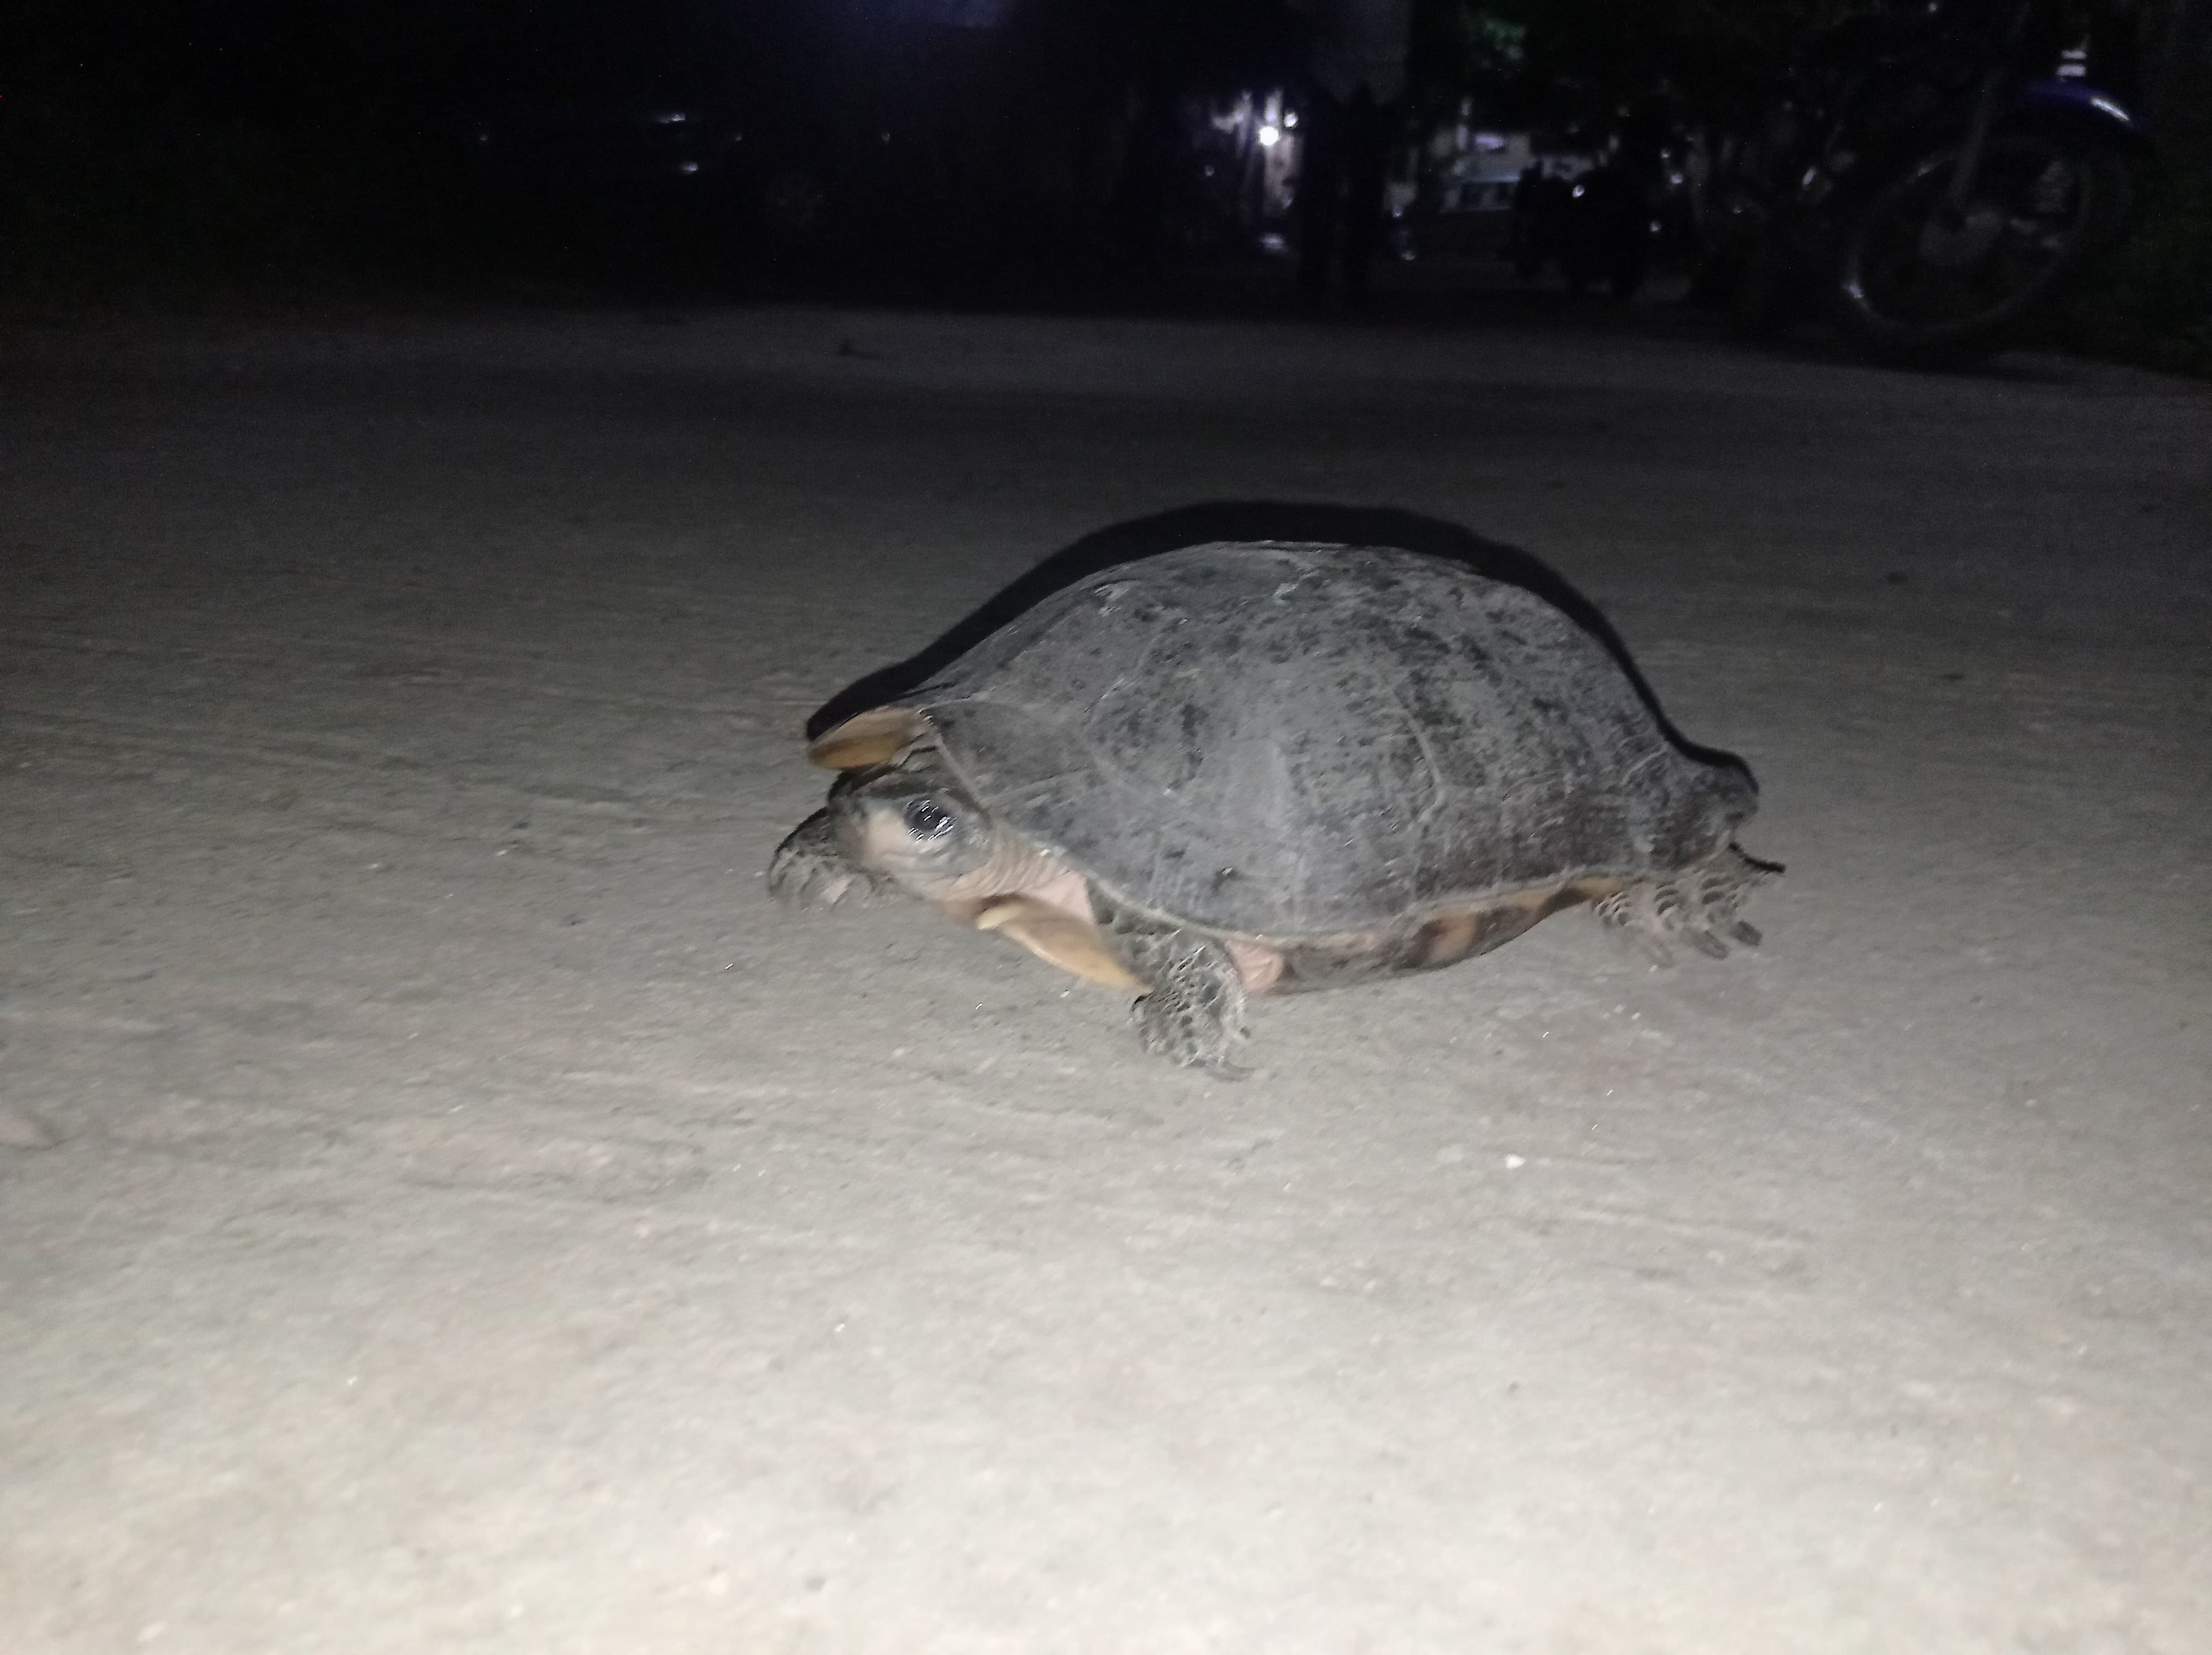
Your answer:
<point x="1195" y="1014"/>
<point x="811" y="869"/>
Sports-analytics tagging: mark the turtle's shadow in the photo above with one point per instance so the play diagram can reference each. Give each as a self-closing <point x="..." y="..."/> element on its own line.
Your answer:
<point x="1248" y="519"/>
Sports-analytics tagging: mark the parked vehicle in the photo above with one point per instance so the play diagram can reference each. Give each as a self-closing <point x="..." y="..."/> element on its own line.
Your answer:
<point x="1926" y="183"/>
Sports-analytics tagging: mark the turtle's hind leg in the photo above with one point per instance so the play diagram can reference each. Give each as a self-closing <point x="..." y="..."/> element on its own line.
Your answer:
<point x="1696" y="905"/>
<point x="1194" y="1015"/>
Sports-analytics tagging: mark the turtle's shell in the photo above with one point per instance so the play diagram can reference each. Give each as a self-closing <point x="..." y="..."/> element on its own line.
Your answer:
<point x="1286" y="740"/>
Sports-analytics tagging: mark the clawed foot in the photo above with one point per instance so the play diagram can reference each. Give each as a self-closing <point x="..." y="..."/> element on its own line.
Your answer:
<point x="810" y="869"/>
<point x="1697" y="905"/>
<point x="1194" y="1015"/>
<point x="1187" y="1036"/>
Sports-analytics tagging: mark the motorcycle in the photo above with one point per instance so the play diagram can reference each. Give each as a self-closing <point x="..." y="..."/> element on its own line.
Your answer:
<point x="1925" y="185"/>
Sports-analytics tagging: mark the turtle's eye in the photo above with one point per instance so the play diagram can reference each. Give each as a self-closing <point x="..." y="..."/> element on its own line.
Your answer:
<point x="926" y="819"/>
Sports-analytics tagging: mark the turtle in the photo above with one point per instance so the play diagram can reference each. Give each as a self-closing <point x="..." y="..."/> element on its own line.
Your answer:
<point x="1250" y="767"/>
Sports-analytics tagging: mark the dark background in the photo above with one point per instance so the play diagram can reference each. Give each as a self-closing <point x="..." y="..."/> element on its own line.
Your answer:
<point x="859" y="148"/>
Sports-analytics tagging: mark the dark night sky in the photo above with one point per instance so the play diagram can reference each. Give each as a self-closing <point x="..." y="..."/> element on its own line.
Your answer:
<point x="278" y="58"/>
<point x="289" y="61"/>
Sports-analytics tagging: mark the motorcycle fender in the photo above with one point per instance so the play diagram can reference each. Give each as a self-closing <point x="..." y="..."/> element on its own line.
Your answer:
<point x="2080" y="110"/>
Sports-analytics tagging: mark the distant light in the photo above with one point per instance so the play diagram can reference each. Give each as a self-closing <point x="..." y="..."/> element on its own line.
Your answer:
<point x="672" y="117"/>
<point x="687" y="165"/>
<point x="1270" y="136"/>
<point x="1290" y="119"/>
<point x="1579" y="190"/>
<point x="2098" y="101"/>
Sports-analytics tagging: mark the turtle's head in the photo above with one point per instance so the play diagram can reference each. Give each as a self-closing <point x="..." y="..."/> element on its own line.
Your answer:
<point x="913" y="822"/>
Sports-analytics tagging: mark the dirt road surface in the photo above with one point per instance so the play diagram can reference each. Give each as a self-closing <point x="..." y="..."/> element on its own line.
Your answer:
<point x="444" y="1205"/>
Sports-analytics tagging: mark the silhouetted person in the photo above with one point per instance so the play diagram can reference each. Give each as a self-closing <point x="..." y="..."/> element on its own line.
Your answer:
<point x="1356" y="68"/>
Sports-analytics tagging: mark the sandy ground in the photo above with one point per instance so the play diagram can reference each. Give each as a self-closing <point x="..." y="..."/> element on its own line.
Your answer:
<point x="444" y="1206"/>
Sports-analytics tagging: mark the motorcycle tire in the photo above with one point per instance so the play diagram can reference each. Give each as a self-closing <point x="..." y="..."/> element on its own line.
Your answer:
<point x="1912" y="286"/>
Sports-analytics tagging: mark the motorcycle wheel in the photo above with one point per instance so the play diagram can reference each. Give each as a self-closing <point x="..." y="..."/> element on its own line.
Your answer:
<point x="1916" y="286"/>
